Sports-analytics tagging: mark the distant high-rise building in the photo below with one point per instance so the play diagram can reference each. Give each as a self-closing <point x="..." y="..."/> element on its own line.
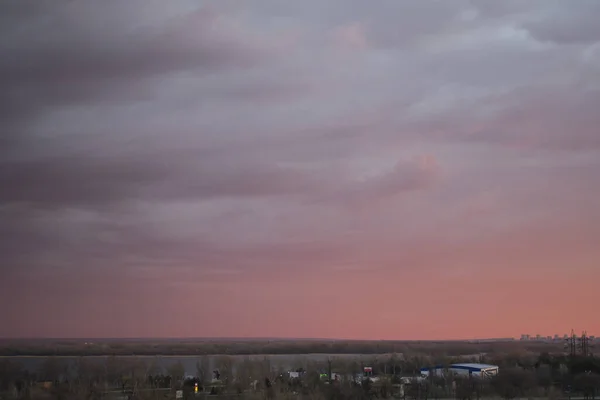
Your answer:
<point x="524" y="336"/>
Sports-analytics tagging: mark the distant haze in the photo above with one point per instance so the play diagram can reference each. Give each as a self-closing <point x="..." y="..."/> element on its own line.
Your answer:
<point x="365" y="170"/>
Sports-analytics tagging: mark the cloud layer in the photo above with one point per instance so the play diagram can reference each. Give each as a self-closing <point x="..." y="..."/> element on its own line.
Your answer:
<point x="237" y="158"/>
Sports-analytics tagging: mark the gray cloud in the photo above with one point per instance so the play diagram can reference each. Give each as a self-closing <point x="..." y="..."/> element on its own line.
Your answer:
<point x="567" y="25"/>
<point x="404" y="177"/>
<point x="147" y="135"/>
<point x="55" y="60"/>
<point x="94" y="181"/>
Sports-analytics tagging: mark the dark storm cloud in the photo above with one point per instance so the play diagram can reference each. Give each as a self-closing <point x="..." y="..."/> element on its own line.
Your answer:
<point x="82" y="53"/>
<point x="48" y="244"/>
<point x="77" y="181"/>
<point x="54" y="60"/>
<point x="93" y="181"/>
<point x="56" y="49"/>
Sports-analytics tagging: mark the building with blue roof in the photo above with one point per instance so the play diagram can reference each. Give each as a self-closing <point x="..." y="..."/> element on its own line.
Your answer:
<point x="465" y="369"/>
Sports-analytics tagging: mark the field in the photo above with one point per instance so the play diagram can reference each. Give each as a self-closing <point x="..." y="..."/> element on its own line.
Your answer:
<point x="189" y="347"/>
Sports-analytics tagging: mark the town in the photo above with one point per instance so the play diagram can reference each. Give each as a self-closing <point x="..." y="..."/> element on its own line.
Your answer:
<point x="507" y="370"/>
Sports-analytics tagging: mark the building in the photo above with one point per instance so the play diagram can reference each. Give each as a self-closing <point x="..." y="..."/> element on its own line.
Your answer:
<point x="438" y="370"/>
<point x="467" y="369"/>
<point x="482" y="370"/>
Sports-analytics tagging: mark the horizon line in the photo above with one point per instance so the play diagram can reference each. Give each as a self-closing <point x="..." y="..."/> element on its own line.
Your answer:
<point x="253" y="338"/>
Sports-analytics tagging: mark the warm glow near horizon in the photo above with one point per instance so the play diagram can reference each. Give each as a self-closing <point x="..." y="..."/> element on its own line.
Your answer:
<point x="400" y="170"/>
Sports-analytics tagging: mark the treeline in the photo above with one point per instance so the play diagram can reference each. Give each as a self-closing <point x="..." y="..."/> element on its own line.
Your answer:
<point x="74" y="348"/>
<point x="542" y="376"/>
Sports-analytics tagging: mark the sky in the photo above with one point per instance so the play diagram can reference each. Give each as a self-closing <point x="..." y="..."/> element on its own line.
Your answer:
<point x="349" y="169"/>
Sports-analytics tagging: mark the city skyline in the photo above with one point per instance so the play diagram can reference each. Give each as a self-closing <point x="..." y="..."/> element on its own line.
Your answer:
<point x="572" y="333"/>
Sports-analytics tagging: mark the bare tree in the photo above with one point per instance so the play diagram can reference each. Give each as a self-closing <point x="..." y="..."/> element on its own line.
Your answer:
<point x="176" y="372"/>
<point x="85" y="378"/>
<point x="203" y="372"/>
<point x="588" y="384"/>
<point x="511" y="383"/>
<point x="53" y="369"/>
<point x="224" y="365"/>
<point x="12" y="376"/>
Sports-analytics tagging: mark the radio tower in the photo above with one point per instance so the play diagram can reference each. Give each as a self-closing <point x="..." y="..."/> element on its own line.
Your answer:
<point x="578" y="346"/>
<point x="571" y="344"/>
<point x="584" y="345"/>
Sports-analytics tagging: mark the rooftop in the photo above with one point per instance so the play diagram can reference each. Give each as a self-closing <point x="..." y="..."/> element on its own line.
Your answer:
<point x="473" y="366"/>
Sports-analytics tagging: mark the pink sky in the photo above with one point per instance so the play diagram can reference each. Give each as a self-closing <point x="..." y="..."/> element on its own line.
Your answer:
<point x="398" y="171"/>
